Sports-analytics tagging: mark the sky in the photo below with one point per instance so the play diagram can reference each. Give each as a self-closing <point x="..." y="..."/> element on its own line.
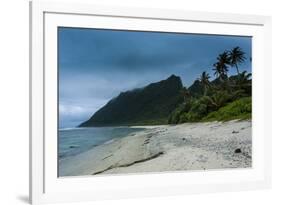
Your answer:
<point x="95" y="65"/>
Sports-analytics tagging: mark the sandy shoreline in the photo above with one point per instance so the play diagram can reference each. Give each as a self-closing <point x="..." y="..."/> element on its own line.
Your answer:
<point x="189" y="146"/>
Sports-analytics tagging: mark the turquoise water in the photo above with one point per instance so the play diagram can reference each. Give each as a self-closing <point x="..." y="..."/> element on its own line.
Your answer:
<point x="73" y="141"/>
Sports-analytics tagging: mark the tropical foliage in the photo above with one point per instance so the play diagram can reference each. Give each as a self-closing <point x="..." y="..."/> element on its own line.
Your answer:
<point x="237" y="56"/>
<point x="204" y="79"/>
<point x="238" y="109"/>
<point x="224" y="98"/>
<point x="221" y="66"/>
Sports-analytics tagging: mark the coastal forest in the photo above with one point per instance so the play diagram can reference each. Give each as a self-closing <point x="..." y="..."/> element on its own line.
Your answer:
<point x="169" y="102"/>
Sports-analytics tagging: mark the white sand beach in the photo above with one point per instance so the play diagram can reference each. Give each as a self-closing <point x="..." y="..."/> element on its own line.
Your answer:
<point x="189" y="146"/>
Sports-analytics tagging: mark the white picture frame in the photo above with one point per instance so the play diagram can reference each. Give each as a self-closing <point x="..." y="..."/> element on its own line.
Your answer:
<point x="46" y="187"/>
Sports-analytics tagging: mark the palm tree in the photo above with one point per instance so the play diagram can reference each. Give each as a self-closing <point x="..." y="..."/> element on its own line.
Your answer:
<point x="243" y="82"/>
<point x="220" y="67"/>
<point x="204" y="79"/>
<point x="218" y="99"/>
<point x="217" y="69"/>
<point x="185" y="93"/>
<point x="237" y="56"/>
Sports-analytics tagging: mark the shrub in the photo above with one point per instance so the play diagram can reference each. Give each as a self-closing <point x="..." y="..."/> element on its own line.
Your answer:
<point x="175" y="116"/>
<point x="239" y="109"/>
<point x="196" y="112"/>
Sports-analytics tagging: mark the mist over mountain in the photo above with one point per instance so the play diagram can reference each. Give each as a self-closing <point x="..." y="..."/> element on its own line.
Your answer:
<point x="151" y="104"/>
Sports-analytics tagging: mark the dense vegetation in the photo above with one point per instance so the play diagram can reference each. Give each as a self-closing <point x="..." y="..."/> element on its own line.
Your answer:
<point x="239" y="109"/>
<point x="224" y="98"/>
<point x="149" y="105"/>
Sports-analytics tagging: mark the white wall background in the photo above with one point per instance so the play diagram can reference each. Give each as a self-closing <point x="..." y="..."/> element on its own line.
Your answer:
<point x="14" y="100"/>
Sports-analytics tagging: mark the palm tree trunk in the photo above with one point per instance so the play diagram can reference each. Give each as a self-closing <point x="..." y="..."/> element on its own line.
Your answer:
<point x="205" y="90"/>
<point x="220" y="77"/>
<point x="237" y="69"/>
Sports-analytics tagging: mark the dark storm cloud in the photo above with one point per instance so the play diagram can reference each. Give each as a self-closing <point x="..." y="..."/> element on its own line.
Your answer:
<point x="135" y="50"/>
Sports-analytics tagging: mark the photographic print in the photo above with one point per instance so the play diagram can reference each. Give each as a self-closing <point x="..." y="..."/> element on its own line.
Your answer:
<point x="143" y="102"/>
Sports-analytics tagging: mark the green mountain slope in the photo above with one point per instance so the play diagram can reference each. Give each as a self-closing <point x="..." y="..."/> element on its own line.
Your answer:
<point x="149" y="105"/>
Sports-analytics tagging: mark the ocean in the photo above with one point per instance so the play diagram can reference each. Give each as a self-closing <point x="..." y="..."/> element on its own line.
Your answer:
<point x="73" y="141"/>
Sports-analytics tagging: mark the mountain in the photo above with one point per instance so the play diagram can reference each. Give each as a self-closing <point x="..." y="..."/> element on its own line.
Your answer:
<point x="148" y="105"/>
<point x="196" y="89"/>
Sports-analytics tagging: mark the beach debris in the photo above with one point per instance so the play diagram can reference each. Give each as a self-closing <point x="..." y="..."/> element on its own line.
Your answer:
<point x="235" y="132"/>
<point x="149" y="136"/>
<point x="107" y="157"/>
<point x="61" y="155"/>
<point x="247" y="155"/>
<point x="129" y="164"/>
<point x="146" y="141"/>
<point x="238" y="150"/>
<point x="73" y="146"/>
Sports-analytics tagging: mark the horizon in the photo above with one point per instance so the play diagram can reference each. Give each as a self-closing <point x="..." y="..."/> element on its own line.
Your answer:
<point x="96" y="65"/>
